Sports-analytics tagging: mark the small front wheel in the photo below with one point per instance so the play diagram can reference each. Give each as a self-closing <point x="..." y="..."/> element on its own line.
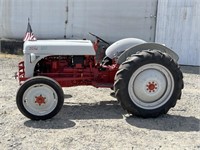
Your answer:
<point x="40" y="98"/>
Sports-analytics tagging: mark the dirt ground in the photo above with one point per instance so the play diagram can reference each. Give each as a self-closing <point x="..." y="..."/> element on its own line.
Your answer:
<point x="92" y="120"/>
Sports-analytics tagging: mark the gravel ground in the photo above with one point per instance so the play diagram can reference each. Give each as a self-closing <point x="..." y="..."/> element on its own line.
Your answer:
<point x="91" y="119"/>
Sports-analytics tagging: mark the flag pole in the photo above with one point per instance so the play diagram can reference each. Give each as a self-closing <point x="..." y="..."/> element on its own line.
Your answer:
<point x="29" y="36"/>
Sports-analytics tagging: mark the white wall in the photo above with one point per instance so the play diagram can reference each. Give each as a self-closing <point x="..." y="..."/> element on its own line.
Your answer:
<point x="47" y="18"/>
<point x="178" y="21"/>
<point x="178" y="26"/>
<point x="112" y="19"/>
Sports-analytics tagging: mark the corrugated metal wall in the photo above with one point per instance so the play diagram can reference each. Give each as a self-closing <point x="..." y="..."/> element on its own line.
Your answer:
<point x="178" y="26"/>
<point x="47" y="18"/>
<point x="178" y="21"/>
<point x="112" y="19"/>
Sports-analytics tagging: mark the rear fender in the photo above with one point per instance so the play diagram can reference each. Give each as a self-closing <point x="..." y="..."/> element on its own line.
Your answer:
<point x="118" y="47"/>
<point x="146" y="46"/>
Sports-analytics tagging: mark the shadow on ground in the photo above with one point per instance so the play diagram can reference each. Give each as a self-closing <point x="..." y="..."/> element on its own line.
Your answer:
<point x="167" y="123"/>
<point x="79" y="111"/>
<point x="112" y="110"/>
<point x="190" y="69"/>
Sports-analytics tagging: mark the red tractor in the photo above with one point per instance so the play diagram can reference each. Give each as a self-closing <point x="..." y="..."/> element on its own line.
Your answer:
<point x="145" y="77"/>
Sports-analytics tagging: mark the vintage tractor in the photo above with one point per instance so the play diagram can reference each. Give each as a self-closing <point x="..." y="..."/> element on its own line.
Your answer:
<point x="145" y="77"/>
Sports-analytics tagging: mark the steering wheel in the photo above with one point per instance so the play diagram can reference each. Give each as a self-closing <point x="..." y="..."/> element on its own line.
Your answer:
<point x="100" y="39"/>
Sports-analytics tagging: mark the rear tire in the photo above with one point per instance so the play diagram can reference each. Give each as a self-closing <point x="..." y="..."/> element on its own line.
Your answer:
<point x="40" y="98"/>
<point x="148" y="84"/>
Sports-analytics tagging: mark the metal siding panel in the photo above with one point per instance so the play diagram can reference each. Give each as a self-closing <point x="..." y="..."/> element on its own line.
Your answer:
<point x="47" y="18"/>
<point x="178" y="26"/>
<point x="112" y="19"/>
<point x="4" y="17"/>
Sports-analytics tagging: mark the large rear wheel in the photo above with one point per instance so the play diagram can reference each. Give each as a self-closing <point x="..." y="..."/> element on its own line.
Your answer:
<point x="148" y="84"/>
<point x="40" y="98"/>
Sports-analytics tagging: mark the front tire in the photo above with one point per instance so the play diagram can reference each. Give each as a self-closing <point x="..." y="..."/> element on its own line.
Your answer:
<point x="40" y="98"/>
<point x="148" y="84"/>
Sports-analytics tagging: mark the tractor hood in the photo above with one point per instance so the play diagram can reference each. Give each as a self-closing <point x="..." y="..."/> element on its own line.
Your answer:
<point x="59" y="47"/>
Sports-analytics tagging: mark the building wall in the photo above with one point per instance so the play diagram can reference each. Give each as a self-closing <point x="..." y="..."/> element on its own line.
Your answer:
<point x="175" y="23"/>
<point x="110" y="19"/>
<point x="47" y="18"/>
<point x="178" y="26"/>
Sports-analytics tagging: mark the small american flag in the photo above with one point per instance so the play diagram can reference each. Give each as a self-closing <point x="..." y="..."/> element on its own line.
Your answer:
<point x="29" y="36"/>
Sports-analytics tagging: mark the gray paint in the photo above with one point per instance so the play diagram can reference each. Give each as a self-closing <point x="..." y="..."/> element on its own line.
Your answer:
<point x="118" y="47"/>
<point x="146" y="46"/>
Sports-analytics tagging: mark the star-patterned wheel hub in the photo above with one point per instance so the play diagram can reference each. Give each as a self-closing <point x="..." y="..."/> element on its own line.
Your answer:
<point x="40" y="100"/>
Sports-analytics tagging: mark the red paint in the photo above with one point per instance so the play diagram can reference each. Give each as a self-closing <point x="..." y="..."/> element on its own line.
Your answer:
<point x="40" y="100"/>
<point x="151" y="86"/>
<point x="70" y="73"/>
